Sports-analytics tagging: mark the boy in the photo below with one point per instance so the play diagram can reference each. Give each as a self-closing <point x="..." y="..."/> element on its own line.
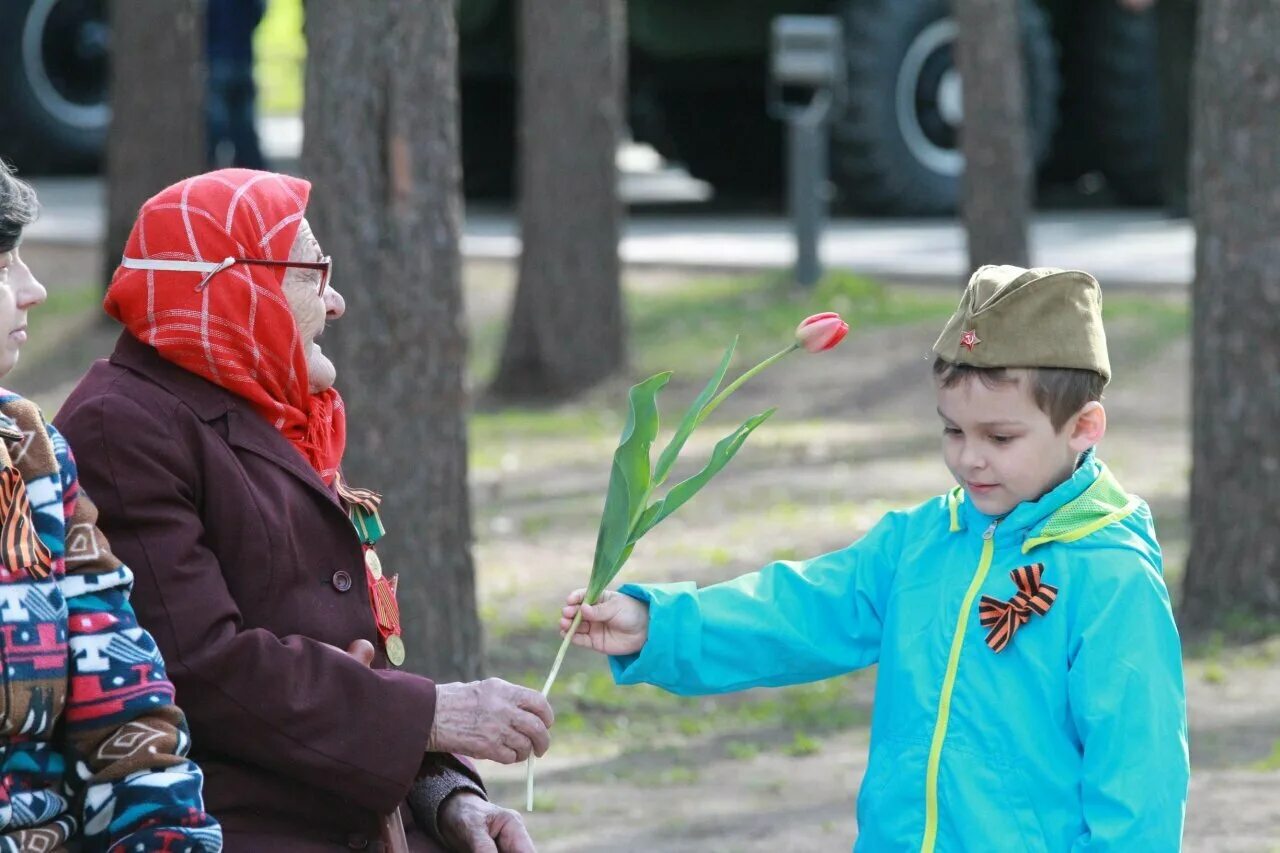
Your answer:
<point x="1029" y="693"/>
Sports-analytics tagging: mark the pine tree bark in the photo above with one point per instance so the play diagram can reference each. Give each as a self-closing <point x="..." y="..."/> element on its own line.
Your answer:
<point x="996" y="188"/>
<point x="1234" y="566"/>
<point x="157" y="83"/>
<point x="566" y="331"/>
<point x="381" y="146"/>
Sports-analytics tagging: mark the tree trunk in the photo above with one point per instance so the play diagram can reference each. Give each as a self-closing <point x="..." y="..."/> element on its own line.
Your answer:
<point x="566" y="330"/>
<point x="997" y="184"/>
<point x="381" y="145"/>
<point x="1234" y="566"/>
<point x="156" y="136"/>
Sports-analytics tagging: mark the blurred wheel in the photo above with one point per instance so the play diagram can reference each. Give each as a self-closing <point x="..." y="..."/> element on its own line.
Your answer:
<point x="1122" y="88"/>
<point x="54" y="83"/>
<point x="488" y="138"/>
<point x="896" y="148"/>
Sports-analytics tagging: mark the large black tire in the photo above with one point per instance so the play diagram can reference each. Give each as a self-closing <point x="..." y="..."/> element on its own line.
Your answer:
<point x="1121" y="91"/>
<point x="488" y="137"/>
<point x="53" y="83"/>
<point x="895" y="149"/>
<point x="712" y="119"/>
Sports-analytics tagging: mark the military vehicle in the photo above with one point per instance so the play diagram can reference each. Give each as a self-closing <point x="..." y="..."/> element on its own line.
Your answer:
<point x="697" y="86"/>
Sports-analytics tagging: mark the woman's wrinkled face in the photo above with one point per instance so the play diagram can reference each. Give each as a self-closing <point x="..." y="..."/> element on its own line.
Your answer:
<point x="310" y="309"/>
<point x="19" y="293"/>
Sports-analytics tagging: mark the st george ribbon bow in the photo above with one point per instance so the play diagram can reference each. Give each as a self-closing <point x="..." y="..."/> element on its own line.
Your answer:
<point x="1006" y="617"/>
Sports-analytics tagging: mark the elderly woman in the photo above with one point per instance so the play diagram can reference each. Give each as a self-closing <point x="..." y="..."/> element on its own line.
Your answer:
<point x="218" y="440"/>
<point x="91" y="745"/>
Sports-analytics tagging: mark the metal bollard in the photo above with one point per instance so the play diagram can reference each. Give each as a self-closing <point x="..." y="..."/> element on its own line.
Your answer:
<point x="807" y="84"/>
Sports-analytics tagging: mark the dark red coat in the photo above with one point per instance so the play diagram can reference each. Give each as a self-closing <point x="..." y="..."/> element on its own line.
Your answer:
<point x="246" y="567"/>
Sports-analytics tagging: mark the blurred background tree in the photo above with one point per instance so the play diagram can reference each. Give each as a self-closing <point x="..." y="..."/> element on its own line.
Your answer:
<point x="1234" y="567"/>
<point x="156" y="136"/>
<point x="566" y="331"/>
<point x="995" y="200"/>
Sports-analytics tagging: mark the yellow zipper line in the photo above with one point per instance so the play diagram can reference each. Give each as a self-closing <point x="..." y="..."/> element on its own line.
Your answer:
<point x="948" y="685"/>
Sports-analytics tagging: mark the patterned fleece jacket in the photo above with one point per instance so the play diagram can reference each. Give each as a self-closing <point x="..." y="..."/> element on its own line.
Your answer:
<point x="92" y="748"/>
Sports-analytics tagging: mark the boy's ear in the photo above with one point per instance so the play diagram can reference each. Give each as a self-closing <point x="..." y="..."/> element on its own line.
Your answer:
<point x="1088" y="426"/>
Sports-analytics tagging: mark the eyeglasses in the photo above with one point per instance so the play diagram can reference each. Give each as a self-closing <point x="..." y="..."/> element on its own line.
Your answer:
<point x="211" y="268"/>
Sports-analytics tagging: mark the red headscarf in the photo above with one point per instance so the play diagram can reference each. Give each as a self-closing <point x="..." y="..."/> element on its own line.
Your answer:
<point x="237" y="331"/>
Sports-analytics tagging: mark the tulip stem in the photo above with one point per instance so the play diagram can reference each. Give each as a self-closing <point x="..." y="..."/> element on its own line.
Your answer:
<point x="737" y="383"/>
<point x="546" y="688"/>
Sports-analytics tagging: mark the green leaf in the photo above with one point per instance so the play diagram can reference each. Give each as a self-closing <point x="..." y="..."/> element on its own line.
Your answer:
<point x="646" y="520"/>
<point x="672" y="450"/>
<point x="598" y="585"/>
<point x="615" y="516"/>
<point x="628" y="481"/>
<point x="682" y="492"/>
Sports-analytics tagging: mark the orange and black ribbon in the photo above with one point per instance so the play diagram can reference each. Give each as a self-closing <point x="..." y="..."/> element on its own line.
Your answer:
<point x="20" y="546"/>
<point x="386" y="610"/>
<point x="351" y="496"/>
<point x="1006" y="617"/>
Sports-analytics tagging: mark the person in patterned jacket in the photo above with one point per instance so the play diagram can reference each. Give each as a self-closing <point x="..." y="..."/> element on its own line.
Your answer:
<point x="92" y="747"/>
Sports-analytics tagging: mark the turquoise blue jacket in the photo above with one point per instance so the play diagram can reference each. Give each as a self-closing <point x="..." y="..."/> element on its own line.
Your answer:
<point x="1072" y="738"/>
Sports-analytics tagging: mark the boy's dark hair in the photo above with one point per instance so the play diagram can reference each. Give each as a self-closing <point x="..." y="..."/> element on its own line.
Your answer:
<point x="1059" y="392"/>
<point x="18" y="207"/>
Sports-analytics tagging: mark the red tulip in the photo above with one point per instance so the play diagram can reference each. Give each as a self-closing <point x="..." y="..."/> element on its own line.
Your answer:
<point x="821" y="331"/>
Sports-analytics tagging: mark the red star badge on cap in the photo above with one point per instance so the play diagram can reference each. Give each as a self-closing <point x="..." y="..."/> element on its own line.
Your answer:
<point x="969" y="340"/>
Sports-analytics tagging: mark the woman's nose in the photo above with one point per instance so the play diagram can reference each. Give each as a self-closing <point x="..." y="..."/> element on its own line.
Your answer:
<point x="334" y="305"/>
<point x="31" y="293"/>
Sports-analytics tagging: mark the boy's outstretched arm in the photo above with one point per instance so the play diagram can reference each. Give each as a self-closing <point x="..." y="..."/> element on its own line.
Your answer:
<point x="1129" y="707"/>
<point x="785" y="624"/>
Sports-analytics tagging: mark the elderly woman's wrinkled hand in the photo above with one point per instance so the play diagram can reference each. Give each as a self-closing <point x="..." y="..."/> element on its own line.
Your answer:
<point x="469" y="823"/>
<point x="491" y="719"/>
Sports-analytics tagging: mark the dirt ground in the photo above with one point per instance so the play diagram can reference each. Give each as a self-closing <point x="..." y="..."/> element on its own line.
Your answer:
<point x="633" y="770"/>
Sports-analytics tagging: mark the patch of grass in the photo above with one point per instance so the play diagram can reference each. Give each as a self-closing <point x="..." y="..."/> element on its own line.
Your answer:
<point x="678" y="776"/>
<point x="690" y="326"/>
<point x="524" y="424"/>
<point x="1271" y="762"/>
<point x="1154" y="324"/>
<point x="543" y="802"/>
<point x="741" y="750"/>
<point x="508" y="438"/>
<point x="802" y="745"/>
<point x="716" y="556"/>
<point x="1214" y="673"/>
<point x="532" y="525"/>
<point x="66" y="302"/>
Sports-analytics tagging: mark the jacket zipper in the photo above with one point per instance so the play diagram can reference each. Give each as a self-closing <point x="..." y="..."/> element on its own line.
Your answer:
<point x="948" y="685"/>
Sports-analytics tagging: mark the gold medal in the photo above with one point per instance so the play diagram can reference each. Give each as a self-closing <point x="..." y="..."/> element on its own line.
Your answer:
<point x="374" y="564"/>
<point x="395" y="649"/>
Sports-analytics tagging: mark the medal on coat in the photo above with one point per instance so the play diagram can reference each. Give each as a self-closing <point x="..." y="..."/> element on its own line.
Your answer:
<point x="362" y="508"/>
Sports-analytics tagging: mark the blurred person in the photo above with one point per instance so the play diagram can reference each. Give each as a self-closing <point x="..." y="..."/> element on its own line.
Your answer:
<point x="220" y="438"/>
<point x="94" y="749"/>
<point x="1029" y="689"/>
<point x="231" y="98"/>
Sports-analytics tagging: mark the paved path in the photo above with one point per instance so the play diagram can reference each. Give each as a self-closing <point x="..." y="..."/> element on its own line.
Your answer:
<point x="1123" y="248"/>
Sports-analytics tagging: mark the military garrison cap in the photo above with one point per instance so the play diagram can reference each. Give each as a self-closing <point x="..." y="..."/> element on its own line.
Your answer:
<point x="1015" y="317"/>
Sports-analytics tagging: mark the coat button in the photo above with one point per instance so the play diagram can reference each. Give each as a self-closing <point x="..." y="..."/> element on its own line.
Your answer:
<point x="341" y="581"/>
<point x="356" y="841"/>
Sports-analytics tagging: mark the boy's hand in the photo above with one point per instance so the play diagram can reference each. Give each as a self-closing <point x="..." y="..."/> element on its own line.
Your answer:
<point x="616" y="624"/>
